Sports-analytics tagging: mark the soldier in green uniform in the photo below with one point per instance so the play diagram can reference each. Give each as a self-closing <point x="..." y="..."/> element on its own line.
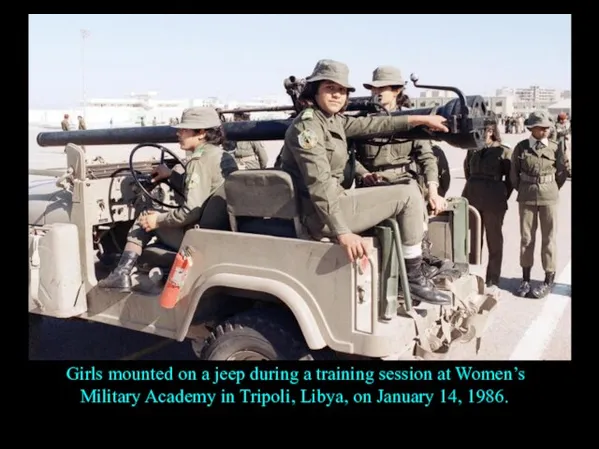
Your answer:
<point x="539" y="169"/>
<point x="488" y="188"/>
<point x="248" y="155"/>
<point x="401" y="162"/>
<point x="315" y="154"/>
<point x="200" y="134"/>
<point x="65" y="123"/>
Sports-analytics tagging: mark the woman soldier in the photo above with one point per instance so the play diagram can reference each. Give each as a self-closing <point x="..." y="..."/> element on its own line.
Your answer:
<point x="539" y="170"/>
<point x="315" y="153"/>
<point x="488" y="188"/>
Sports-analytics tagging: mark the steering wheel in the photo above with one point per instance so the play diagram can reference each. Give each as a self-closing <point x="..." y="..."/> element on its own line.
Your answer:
<point x="140" y="178"/>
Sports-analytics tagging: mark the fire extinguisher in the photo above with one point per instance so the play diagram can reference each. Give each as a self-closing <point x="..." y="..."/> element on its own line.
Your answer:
<point x="176" y="278"/>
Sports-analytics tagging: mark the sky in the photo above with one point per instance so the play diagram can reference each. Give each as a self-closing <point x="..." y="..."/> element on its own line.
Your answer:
<point x="243" y="57"/>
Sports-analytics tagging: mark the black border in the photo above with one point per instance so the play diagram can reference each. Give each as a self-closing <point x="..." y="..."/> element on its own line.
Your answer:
<point x="549" y="391"/>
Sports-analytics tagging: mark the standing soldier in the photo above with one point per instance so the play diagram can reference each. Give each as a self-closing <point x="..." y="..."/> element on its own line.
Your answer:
<point x="488" y="188"/>
<point x="248" y="155"/>
<point x="65" y="123"/>
<point x="82" y="127"/>
<point x="539" y="169"/>
<point x="154" y="121"/>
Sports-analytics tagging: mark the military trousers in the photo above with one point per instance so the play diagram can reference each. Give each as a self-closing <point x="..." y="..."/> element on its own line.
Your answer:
<point x="492" y="230"/>
<point x="169" y="237"/>
<point x="366" y="207"/>
<point x="530" y="218"/>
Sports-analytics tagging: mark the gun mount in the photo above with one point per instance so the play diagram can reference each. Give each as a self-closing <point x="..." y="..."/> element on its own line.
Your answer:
<point x="467" y="117"/>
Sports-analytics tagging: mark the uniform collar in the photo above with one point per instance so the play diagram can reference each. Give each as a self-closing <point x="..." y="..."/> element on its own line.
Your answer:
<point x="533" y="141"/>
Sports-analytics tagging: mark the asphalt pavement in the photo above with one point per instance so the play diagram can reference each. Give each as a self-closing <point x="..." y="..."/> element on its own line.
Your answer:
<point x="521" y="329"/>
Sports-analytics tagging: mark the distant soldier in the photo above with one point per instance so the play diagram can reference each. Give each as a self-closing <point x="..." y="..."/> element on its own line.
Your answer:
<point x="65" y="123"/>
<point x="111" y="122"/>
<point x="488" y="188"/>
<point x="82" y="127"/>
<point x="562" y="130"/>
<point x="154" y="121"/>
<point x="200" y="135"/>
<point x="143" y="121"/>
<point x="538" y="171"/>
<point x="248" y="155"/>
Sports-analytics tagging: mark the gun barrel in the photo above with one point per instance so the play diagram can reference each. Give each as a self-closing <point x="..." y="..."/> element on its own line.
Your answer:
<point x="466" y="132"/>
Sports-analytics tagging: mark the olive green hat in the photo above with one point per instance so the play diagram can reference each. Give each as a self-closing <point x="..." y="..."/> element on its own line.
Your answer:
<point x="327" y="69"/>
<point x="199" y="118"/>
<point x="538" y="118"/>
<point x="385" y="76"/>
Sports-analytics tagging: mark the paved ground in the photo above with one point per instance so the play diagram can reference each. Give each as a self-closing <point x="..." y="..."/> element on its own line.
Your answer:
<point x="522" y="329"/>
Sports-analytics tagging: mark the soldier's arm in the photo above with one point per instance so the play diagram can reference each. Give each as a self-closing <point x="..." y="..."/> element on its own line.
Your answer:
<point x="515" y="168"/>
<point x="506" y="163"/>
<point x="316" y="171"/>
<point x="562" y="166"/>
<point x="467" y="164"/>
<point x="422" y="152"/>
<point x="261" y="153"/>
<point x="365" y="126"/>
<point x="198" y="179"/>
<point x="360" y="169"/>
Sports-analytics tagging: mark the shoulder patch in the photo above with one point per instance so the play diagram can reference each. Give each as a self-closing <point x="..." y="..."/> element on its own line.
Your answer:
<point x="192" y="180"/>
<point x="308" y="114"/>
<point x="307" y="139"/>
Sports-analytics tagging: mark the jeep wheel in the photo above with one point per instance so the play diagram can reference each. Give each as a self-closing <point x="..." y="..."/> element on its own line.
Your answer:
<point x="258" y="334"/>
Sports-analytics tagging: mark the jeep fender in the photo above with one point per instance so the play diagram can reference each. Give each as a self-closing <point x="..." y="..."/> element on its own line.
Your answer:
<point x="284" y="292"/>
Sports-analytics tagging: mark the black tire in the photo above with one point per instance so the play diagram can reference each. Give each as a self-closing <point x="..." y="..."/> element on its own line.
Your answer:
<point x="258" y="334"/>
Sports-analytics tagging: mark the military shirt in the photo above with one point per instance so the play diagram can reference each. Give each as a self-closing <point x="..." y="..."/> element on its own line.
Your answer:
<point x="205" y="171"/>
<point x="82" y="125"/>
<point x="315" y="154"/>
<point x="249" y="154"/>
<point x="487" y="173"/>
<point x="64" y="125"/>
<point x="538" y="173"/>
<point x="391" y="161"/>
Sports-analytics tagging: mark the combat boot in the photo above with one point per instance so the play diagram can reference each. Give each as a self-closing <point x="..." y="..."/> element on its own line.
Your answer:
<point x="431" y="260"/>
<point x="120" y="278"/>
<point x="421" y="287"/>
<point x="429" y="271"/>
<point x="524" y="288"/>
<point x="545" y="288"/>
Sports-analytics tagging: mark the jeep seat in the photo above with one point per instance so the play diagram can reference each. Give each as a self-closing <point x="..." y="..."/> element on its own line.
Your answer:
<point x="214" y="216"/>
<point x="265" y="202"/>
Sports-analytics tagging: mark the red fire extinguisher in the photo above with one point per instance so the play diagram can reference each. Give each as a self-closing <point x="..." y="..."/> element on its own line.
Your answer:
<point x="176" y="278"/>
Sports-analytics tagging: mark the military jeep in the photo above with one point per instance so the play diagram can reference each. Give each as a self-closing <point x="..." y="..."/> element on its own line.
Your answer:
<point x="259" y="287"/>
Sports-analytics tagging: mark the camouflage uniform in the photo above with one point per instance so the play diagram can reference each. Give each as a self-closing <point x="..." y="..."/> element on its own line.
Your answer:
<point x="205" y="170"/>
<point x="315" y="154"/>
<point x="488" y="188"/>
<point x="538" y="171"/>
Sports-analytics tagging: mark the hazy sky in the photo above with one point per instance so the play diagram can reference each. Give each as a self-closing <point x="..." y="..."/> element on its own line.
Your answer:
<point x="248" y="56"/>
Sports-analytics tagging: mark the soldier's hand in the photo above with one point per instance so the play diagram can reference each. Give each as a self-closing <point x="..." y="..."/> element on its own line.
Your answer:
<point x="438" y="203"/>
<point x="435" y="123"/>
<point x="161" y="172"/>
<point x="371" y="179"/>
<point x="147" y="221"/>
<point x="354" y="245"/>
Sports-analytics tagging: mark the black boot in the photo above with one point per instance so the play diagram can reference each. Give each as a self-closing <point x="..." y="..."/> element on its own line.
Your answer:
<point x="422" y="288"/>
<point x="429" y="271"/>
<point x="120" y="278"/>
<point x="545" y="288"/>
<point x="431" y="260"/>
<point x="524" y="288"/>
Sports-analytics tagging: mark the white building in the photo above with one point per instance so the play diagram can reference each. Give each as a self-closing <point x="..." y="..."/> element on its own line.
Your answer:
<point x="503" y="105"/>
<point x="564" y="105"/>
